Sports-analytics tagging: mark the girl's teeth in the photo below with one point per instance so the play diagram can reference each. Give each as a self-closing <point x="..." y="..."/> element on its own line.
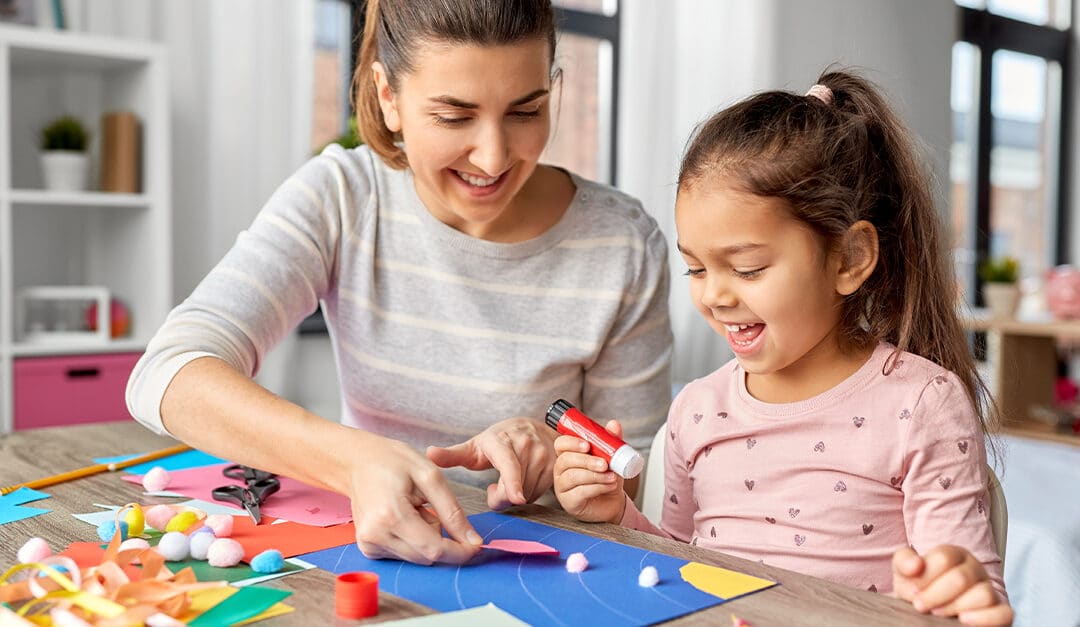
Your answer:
<point x="735" y="328"/>
<point x="476" y="181"/>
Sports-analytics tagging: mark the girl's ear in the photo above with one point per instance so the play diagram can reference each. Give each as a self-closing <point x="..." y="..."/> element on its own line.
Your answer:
<point x="391" y="118"/>
<point x="858" y="257"/>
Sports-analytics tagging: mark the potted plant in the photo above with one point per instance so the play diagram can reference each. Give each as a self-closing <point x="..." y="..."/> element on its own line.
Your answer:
<point x="64" y="163"/>
<point x="1001" y="293"/>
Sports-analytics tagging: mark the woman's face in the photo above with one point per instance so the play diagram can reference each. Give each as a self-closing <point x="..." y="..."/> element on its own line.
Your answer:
<point x="474" y="120"/>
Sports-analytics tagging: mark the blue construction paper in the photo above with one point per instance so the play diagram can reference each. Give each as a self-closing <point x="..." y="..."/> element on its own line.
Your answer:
<point x="179" y="461"/>
<point x="536" y="589"/>
<point x="11" y="505"/>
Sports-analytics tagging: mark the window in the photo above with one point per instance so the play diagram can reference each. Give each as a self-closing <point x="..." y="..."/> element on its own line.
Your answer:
<point x="1008" y="194"/>
<point x="332" y="72"/>
<point x="583" y="138"/>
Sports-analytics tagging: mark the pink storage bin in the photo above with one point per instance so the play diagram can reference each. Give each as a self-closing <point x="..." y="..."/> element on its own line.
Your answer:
<point x="75" y="389"/>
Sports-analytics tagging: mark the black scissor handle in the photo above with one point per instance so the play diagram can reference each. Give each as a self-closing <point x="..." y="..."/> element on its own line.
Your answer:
<point x="234" y="493"/>
<point x="246" y="473"/>
<point x="263" y="488"/>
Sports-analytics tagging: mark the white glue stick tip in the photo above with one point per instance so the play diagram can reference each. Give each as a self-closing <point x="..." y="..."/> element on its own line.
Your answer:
<point x="626" y="462"/>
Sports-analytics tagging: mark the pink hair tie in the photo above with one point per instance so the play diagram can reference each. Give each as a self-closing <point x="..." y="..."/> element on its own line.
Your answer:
<point x="821" y="92"/>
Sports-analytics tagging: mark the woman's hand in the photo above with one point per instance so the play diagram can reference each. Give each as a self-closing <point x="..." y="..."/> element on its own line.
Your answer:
<point x="519" y="448"/>
<point x="949" y="581"/>
<point x="584" y="485"/>
<point x="391" y="486"/>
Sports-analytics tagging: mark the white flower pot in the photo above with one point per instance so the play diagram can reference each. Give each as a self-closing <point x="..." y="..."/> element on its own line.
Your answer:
<point x="65" y="170"/>
<point x="1001" y="299"/>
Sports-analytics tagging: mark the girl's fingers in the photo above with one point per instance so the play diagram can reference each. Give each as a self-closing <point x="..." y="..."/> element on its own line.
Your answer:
<point x="567" y="461"/>
<point x="577" y="477"/>
<point x="584" y="493"/>
<point x="977" y="597"/>
<point x="946" y="588"/>
<point x="570" y="444"/>
<point x="1000" y="615"/>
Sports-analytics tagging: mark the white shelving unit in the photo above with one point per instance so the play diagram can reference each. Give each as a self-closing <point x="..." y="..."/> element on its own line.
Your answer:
<point x="120" y="241"/>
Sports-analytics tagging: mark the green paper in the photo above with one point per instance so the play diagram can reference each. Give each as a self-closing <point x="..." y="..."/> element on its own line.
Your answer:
<point x="244" y="604"/>
<point x="205" y="572"/>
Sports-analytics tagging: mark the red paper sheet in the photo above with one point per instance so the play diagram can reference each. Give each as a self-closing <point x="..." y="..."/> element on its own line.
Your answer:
<point x="290" y="538"/>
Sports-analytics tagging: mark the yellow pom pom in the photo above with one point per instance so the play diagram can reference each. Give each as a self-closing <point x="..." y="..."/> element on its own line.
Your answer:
<point x="181" y="521"/>
<point x="135" y="520"/>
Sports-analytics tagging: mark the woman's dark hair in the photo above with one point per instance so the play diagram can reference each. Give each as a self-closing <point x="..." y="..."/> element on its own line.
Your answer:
<point x="837" y="158"/>
<point x="394" y="29"/>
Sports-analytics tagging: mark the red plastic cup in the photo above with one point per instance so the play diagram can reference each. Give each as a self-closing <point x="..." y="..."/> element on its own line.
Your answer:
<point x="356" y="595"/>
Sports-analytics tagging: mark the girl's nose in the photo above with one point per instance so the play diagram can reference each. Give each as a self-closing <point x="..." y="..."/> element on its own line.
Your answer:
<point x="491" y="151"/>
<point x="718" y="295"/>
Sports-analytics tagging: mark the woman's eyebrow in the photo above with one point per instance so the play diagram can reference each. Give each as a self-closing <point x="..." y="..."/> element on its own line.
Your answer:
<point x="461" y="104"/>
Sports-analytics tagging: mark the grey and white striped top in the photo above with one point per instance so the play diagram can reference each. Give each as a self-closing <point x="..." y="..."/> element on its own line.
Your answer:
<point x="436" y="334"/>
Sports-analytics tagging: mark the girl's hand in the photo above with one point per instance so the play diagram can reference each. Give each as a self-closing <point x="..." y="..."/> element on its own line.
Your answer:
<point x="391" y="484"/>
<point x="949" y="581"/>
<point x="519" y="448"/>
<point x="584" y="485"/>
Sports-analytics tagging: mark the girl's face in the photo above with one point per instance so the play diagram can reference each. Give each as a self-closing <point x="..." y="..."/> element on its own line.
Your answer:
<point x="762" y="279"/>
<point x="474" y="120"/>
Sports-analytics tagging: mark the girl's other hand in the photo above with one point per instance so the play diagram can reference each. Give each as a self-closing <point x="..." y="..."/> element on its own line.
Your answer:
<point x="949" y="581"/>
<point x="584" y="485"/>
<point x="391" y="486"/>
<point x="519" y="448"/>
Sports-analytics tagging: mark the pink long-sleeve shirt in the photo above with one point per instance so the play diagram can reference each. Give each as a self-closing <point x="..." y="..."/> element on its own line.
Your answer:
<point x="830" y="486"/>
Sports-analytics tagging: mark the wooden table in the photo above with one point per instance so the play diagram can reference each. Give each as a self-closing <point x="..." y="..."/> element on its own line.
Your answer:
<point x="26" y="455"/>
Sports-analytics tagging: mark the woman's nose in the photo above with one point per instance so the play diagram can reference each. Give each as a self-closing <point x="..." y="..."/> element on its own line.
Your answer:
<point x="491" y="152"/>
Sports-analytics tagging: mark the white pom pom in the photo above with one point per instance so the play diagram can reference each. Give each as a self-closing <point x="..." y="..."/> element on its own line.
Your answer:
<point x="648" y="577"/>
<point x="34" y="550"/>
<point x="576" y="563"/>
<point x="174" y="546"/>
<point x="134" y="543"/>
<point x="156" y="480"/>
<point x="224" y="552"/>
<point x="200" y="544"/>
<point x="222" y="524"/>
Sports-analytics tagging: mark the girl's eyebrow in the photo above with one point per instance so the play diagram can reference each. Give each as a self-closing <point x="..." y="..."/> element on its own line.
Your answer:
<point x="461" y="104"/>
<point x="734" y="249"/>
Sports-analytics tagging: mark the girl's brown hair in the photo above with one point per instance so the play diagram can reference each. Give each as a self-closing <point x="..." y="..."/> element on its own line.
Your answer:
<point x="836" y="163"/>
<point x="393" y="29"/>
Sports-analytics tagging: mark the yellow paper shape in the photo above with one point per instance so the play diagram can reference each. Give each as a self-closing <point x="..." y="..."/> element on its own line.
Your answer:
<point x="203" y="600"/>
<point x="721" y="582"/>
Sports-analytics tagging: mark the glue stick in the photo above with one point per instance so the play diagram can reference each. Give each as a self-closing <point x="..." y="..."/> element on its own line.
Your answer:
<point x="620" y="456"/>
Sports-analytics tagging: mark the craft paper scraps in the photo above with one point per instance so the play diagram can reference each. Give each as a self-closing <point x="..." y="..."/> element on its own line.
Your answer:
<point x="179" y="461"/>
<point x="537" y="589"/>
<point x="721" y="581"/>
<point x="11" y="505"/>
<point x="521" y="547"/>
<point x="245" y="603"/>
<point x="296" y="501"/>
<point x="288" y="537"/>
<point x="487" y="615"/>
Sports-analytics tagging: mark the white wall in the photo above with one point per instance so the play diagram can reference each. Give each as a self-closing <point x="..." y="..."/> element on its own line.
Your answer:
<point x="682" y="60"/>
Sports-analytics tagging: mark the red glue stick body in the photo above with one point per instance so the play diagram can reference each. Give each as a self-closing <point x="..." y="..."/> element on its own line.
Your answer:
<point x="622" y="459"/>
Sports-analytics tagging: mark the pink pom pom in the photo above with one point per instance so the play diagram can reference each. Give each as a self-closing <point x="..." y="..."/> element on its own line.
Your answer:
<point x="576" y="563"/>
<point x="34" y="550"/>
<point x="220" y="524"/>
<point x="156" y="480"/>
<point x="159" y="516"/>
<point x="224" y="552"/>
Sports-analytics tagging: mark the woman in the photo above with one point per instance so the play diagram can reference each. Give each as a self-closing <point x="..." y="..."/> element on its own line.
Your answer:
<point x="465" y="288"/>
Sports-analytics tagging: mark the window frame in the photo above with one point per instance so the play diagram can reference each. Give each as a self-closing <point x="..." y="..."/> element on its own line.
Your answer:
<point x="989" y="33"/>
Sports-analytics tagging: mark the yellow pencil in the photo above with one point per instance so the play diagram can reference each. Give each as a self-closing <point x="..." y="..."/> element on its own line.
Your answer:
<point x="95" y="469"/>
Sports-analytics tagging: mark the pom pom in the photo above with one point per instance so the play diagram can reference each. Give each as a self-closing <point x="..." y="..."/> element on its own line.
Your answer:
<point x="159" y="516"/>
<point x="576" y="563"/>
<point x="34" y="550"/>
<point x="224" y="552"/>
<point x="107" y="530"/>
<point x="648" y="577"/>
<point x="200" y="543"/>
<point x="174" y="546"/>
<point x="221" y="524"/>
<point x="269" y="561"/>
<point x="134" y="543"/>
<point x="133" y="516"/>
<point x="156" y="480"/>
<point x="182" y="521"/>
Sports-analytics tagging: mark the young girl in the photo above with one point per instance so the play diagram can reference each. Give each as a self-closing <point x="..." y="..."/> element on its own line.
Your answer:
<point x="464" y="284"/>
<point x="845" y="440"/>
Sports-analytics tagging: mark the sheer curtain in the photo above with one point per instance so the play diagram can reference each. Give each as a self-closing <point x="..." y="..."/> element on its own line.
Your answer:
<point x="683" y="60"/>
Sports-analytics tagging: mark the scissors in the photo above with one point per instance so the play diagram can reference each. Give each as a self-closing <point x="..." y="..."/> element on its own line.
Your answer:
<point x="260" y="484"/>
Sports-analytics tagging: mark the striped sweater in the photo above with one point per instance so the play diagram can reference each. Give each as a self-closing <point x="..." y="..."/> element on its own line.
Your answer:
<point x="436" y="334"/>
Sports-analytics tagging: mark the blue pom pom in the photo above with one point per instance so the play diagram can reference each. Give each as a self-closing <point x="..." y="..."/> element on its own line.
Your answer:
<point x="269" y="561"/>
<point x="204" y="529"/>
<point x="107" y="530"/>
